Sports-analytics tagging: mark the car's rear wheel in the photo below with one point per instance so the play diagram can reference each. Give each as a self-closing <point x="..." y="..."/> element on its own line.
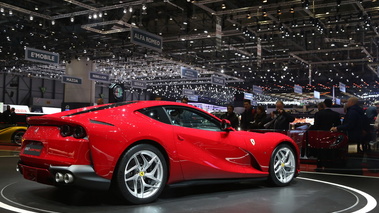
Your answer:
<point x="17" y="136"/>
<point x="141" y="175"/>
<point x="282" y="165"/>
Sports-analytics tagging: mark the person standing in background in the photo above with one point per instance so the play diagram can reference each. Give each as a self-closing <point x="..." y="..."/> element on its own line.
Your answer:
<point x="231" y="116"/>
<point x="281" y="118"/>
<point x="353" y="123"/>
<point x="326" y="119"/>
<point x="247" y="116"/>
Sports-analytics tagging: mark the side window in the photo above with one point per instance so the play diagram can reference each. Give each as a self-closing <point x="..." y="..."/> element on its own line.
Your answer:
<point x="155" y="113"/>
<point x="191" y="118"/>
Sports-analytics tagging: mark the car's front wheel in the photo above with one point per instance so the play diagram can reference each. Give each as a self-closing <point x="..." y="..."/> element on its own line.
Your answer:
<point x="282" y="165"/>
<point x="141" y="175"/>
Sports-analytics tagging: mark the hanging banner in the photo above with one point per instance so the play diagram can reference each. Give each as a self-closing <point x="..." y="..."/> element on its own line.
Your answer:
<point x="257" y="90"/>
<point x="316" y="94"/>
<point x="218" y="80"/>
<point x="342" y="87"/>
<point x="298" y="89"/>
<point x="146" y="39"/>
<point x="71" y="80"/>
<point x="41" y="56"/>
<point x="188" y="92"/>
<point x="99" y="77"/>
<point x="259" y="53"/>
<point x="188" y="73"/>
<point x="138" y="84"/>
<point x="218" y="33"/>
<point x="247" y="96"/>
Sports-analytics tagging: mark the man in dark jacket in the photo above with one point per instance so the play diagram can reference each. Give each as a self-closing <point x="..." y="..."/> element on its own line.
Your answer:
<point x="231" y="116"/>
<point x="281" y="118"/>
<point x="353" y="123"/>
<point x="247" y="116"/>
<point x="326" y="118"/>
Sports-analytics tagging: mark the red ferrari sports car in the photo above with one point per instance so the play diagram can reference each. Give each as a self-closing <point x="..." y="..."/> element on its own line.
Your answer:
<point x="137" y="148"/>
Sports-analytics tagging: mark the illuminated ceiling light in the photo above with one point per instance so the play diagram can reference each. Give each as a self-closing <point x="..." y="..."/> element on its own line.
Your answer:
<point x="264" y="1"/>
<point x="248" y="16"/>
<point x="95" y="16"/>
<point x="264" y="13"/>
<point x="10" y="12"/>
<point x="144" y="7"/>
<point x="279" y="11"/>
<point x="31" y="18"/>
<point x="2" y="10"/>
<point x="52" y="22"/>
<point x="130" y="9"/>
<point x="292" y="9"/>
<point x="90" y="16"/>
<point x="100" y="14"/>
<point x="124" y="11"/>
<point x="223" y="6"/>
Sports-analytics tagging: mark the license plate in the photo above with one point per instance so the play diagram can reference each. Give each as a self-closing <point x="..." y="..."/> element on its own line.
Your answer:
<point x="33" y="149"/>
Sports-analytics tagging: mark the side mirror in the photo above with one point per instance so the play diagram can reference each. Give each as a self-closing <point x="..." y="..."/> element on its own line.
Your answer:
<point x="226" y="125"/>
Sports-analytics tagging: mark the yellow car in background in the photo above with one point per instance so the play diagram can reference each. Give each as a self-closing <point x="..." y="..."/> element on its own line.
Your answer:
<point x="12" y="134"/>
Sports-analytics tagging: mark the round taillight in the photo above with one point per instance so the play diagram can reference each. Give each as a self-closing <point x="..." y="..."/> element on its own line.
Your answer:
<point x="79" y="132"/>
<point x="66" y="130"/>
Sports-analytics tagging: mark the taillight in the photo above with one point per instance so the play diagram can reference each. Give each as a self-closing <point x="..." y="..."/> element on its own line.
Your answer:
<point x="79" y="132"/>
<point x="75" y="131"/>
<point x="66" y="130"/>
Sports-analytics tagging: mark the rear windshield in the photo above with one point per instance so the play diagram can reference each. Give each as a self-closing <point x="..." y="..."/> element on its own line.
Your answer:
<point x="103" y="107"/>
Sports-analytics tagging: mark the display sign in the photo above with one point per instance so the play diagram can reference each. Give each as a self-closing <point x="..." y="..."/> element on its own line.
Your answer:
<point x="257" y="90"/>
<point x="41" y="56"/>
<point x="188" y="73"/>
<point x="298" y="89"/>
<point x="71" y="80"/>
<point x="138" y="84"/>
<point x="99" y="77"/>
<point x="342" y="87"/>
<point x="216" y="80"/>
<point x="338" y="101"/>
<point x="247" y="96"/>
<point x="146" y="39"/>
<point x="316" y="94"/>
<point x="188" y="92"/>
<point x="193" y="98"/>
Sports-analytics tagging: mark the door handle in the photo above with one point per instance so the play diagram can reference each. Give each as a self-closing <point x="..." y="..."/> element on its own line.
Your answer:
<point x="180" y="138"/>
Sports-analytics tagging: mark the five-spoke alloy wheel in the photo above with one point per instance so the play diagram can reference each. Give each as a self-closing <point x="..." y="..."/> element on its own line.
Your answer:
<point x="282" y="165"/>
<point x="142" y="174"/>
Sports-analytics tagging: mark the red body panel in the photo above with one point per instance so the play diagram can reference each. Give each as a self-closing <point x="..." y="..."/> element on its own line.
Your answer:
<point x="191" y="153"/>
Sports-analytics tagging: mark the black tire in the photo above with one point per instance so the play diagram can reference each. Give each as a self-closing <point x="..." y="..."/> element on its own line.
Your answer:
<point x="17" y="137"/>
<point x="146" y="176"/>
<point x="283" y="165"/>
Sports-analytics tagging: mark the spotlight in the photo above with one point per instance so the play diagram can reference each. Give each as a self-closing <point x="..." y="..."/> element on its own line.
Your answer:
<point x="279" y="11"/>
<point x="72" y="19"/>
<point x="292" y="10"/>
<point x="52" y="22"/>
<point x="223" y="6"/>
<point x="264" y="13"/>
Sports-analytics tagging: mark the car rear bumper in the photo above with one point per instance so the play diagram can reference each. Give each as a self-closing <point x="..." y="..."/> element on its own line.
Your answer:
<point x="80" y="176"/>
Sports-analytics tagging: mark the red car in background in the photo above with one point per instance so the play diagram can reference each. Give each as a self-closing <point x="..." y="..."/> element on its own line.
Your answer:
<point x="324" y="148"/>
<point x="137" y="148"/>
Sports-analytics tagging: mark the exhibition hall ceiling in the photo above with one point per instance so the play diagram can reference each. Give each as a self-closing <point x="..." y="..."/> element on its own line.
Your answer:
<point x="274" y="44"/>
